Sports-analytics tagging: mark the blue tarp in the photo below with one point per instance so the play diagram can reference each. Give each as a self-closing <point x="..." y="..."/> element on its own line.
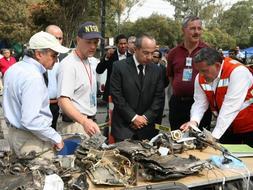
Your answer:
<point x="248" y="52"/>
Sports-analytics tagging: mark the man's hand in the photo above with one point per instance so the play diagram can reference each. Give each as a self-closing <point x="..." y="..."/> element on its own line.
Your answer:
<point x="139" y="122"/>
<point x="59" y="146"/>
<point x="90" y="127"/>
<point x="190" y="124"/>
<point x="109" y="53"/>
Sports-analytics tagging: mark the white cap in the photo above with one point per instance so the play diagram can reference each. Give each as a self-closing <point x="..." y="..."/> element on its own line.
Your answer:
<point x="44" y="40"/>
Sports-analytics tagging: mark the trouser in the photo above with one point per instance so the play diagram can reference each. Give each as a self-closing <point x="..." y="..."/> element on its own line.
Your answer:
<point x="55" y="112"/>
<point x="237" y="138"/>
<point x="179" y="113"/>
<point x="22" y="142"/>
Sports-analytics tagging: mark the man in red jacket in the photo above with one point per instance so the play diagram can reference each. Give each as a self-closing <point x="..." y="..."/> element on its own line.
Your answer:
<point x="227" y="86"/>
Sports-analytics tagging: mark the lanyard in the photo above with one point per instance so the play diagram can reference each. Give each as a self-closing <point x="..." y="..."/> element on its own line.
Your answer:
<point x="215" y="93"/>
<point x="89" y="74"/>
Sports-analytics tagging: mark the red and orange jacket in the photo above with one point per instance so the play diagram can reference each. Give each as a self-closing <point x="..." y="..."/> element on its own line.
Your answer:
<point x="244" y="120"/>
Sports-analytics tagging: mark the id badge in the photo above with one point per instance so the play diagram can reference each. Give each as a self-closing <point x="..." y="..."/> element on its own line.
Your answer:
<point x="188" y="61"/>
<point x="92" y="99"/>
<point x="187" y="75"/>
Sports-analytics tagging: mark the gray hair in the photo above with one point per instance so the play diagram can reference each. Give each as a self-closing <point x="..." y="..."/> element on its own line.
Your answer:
<point x="190" y="19"/>
<point x="208" y="55"/>
<point x="138" y="41"/>
<point x="31" y="52"/>
<point x="132" y="39"/>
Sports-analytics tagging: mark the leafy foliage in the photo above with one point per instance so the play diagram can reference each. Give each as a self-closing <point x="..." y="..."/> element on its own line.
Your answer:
<point x="237" y="22"/>
<point x="15" y="20"/>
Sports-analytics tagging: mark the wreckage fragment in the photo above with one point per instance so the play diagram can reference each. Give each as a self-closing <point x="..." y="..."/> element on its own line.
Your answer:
<point x="156" y="168"/>
<point x="107" y="167"/>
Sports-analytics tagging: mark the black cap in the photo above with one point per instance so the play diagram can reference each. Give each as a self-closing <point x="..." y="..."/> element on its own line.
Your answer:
<point x="89" y="30"/>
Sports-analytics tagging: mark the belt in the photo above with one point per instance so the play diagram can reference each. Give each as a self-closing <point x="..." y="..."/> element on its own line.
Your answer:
<point x="53" y="101"/>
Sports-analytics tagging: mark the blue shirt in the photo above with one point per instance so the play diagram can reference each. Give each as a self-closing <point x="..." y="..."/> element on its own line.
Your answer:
<point x="25" y="100"/>
<point x="52" y="81"/>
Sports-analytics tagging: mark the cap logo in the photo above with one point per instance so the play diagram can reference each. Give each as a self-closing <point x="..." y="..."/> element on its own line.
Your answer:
<point x="91" y="28"/>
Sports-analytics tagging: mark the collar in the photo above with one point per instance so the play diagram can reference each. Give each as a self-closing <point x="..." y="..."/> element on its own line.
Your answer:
<point x="119" y="54"/>
<point x="137" y="63"/>
<point x="7" y="59"/>
<point x="34" y="62"/>
<point x="200" y="45"/>
<point x="219" y="75"/>
<point x="216" y="80"/>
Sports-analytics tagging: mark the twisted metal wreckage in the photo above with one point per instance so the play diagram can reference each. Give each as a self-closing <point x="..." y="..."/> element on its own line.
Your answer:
<point x="118" y="164"/>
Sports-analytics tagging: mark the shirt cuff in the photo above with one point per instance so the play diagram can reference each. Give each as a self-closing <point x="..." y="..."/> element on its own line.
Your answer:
<point x="57" y="138"/>
<point x="134" y="118"/>
<point x="220" y="128"/>
<point x="195" y="119"/>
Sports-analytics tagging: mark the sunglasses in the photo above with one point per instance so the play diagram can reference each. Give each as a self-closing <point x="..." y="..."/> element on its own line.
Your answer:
<point x="155" y="57"/>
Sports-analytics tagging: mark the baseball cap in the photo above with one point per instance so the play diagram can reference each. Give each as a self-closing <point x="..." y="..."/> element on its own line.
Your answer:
<point x="89" y="30"/>
<point x="44" y="40"/>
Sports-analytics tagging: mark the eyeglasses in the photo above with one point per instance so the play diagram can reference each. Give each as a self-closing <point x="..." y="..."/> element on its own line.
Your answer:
<point x="52" y="53"/>
<point x="59" y="38"/>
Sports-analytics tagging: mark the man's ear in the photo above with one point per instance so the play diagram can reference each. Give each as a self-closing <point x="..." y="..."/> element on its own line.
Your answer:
<point x="37" y="55"/>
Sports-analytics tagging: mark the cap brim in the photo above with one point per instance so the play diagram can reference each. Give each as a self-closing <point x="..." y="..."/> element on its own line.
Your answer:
<point x="60" y="49"/>
<point x="89" y="36"/>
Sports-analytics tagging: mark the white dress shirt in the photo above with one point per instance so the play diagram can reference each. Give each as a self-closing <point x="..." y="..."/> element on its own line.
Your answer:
<point x="25" y="100"/>
<point x="138" y="71"/>
<point x="239" y="82"/>
<point x="121" y="56"/>
<point x="52" y="80"/>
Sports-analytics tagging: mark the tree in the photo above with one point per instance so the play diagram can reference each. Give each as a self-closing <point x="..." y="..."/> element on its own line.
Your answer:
<point x="184" y="8"/>
<point x="15" y="23"/>
<point x="218" y="38"/>
<point x="164" y="30"/>
<point x="70" y="13"/>
<point x="237" y="21"/>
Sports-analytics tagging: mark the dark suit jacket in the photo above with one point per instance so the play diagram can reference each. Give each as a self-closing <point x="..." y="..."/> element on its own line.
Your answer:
<point x="164" y="76"/>
<point x="129" y="99"/>
<point x="107" y="64"/>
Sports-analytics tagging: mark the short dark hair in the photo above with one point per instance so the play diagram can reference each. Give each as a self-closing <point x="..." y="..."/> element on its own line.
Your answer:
<point x="119" y="37"/>
<point x="190" y="19"/>
<point x="159" y="53"/>
<point x="139" y="38"/>
<point x="209" y="55"/>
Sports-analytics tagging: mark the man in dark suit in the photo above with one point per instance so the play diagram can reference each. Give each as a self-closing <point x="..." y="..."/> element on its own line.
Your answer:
<point x="109" y="58"/>
<point x="137" y="93"/>
<point x="157" y="59"/>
